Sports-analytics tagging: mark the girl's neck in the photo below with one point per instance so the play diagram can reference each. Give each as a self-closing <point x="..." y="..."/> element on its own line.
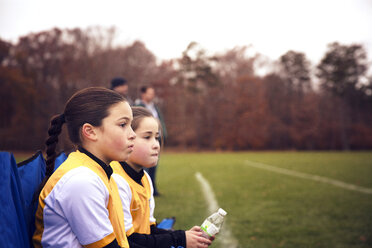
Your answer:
<point x="134" y="166"/>
<point x="96" y="153"/>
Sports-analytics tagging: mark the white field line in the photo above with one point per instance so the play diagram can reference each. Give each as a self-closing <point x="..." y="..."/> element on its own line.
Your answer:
<point x="225" y="237"/>
<point x="334" y="182"/>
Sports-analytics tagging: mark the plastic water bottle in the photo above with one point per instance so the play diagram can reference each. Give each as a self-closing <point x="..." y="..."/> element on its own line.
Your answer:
<point x="212" y="225"/>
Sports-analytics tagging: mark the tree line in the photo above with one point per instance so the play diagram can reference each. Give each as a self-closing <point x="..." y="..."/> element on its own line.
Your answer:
<point x="217" y="101"/>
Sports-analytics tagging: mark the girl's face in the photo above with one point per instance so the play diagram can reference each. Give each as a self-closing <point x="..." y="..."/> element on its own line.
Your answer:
<point x="116" y="137"/>
<point x="146" y="145"/>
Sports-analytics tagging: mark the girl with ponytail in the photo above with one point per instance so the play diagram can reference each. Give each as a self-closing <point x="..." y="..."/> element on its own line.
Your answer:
<point x="79" y="204"/>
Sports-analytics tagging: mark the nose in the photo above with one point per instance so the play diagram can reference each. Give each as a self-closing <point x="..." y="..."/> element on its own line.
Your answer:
<point x="132" y="134"/>
<point x="156" y="145"/>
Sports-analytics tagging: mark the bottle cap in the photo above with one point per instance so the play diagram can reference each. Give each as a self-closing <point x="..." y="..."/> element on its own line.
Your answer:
<point x="222" y="212"/>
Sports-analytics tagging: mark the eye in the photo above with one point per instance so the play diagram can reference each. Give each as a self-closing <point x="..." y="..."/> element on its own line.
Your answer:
<point x="123" y="124"/>
<point x="147" y="137"/>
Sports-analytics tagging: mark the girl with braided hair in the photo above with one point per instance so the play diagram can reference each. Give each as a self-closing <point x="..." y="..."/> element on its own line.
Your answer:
<point x="79" y="204"/>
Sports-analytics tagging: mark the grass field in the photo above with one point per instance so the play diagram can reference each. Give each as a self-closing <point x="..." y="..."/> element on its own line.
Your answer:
<point x="268" y="209"/>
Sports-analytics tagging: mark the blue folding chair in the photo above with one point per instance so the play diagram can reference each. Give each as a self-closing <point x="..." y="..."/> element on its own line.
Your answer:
<point x="13" y="225"/>
<point x="31" y="173"/>
<point x="60" y="159"/>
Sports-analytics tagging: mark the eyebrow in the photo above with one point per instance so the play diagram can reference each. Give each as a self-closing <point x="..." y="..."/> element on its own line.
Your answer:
<point x="150" y="132"/>
<point x="124" y="118"/>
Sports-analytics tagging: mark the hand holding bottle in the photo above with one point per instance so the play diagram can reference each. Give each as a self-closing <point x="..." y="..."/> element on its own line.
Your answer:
<point x="195" y="239"/>
<point x="198" y="229"/>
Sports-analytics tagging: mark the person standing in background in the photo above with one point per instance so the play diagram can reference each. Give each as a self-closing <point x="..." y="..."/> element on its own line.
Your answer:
<point x="147" y="101"/>
<point x="120" y="85"/>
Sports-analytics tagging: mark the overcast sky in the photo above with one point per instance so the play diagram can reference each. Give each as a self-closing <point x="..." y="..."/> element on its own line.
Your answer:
<point x="271" y="27"/>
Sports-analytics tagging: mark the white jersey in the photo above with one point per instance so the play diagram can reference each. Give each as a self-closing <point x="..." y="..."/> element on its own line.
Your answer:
<point x="75" y="206"/>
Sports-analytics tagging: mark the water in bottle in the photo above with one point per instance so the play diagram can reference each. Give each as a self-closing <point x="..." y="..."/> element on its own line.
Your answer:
<point x="212" y="225"/>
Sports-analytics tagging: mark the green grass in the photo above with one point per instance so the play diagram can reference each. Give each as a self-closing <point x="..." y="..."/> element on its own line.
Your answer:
<point x="267" y="209"/>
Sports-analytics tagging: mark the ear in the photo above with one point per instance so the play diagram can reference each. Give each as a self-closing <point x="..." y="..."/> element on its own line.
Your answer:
<point x="89" y="132"/>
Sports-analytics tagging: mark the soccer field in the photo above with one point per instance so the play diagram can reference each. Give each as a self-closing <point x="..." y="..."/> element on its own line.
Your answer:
<point x="273" y="199"/>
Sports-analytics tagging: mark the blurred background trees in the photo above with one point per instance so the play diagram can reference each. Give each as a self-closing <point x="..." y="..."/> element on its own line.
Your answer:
<point x="210" y="101"/>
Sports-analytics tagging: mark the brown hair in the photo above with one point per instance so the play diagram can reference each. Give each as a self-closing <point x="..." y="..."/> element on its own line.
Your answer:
<point x="90" y="105"/>
<point x="139" y="113"/>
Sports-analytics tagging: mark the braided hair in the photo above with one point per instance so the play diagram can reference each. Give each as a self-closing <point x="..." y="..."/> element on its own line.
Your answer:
<point x="90" y="105"/>
<point x="51" y="143"/>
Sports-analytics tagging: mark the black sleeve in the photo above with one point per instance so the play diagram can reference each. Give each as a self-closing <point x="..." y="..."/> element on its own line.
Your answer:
<point x="163" y="240"/>
<point x="114" y="244"/>
<point x="155" y="230"/>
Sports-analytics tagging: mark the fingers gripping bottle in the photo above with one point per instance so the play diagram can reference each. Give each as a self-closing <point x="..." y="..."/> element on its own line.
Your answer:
<point x="212" y="225"/>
